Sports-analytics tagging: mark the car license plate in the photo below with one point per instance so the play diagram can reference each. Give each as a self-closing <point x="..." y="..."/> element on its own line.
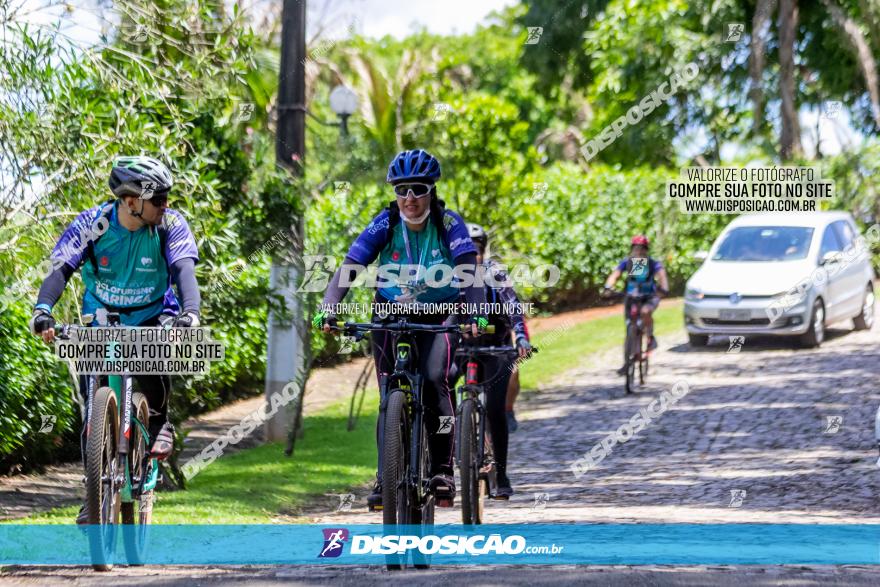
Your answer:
<point x="735" y="315"/>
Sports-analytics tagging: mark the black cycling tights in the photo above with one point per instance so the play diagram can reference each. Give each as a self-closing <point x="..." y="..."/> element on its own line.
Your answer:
<point x="435" y="353"/>
<point x="496" y="376"/>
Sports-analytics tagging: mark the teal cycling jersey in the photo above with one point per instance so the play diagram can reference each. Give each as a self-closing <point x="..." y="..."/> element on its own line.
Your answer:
<point x="130" y="274"/>
<point x="425" y="250"/>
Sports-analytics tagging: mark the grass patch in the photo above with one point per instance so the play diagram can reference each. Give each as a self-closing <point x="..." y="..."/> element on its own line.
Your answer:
<point x="255" y="485"/>
<point x="561" y="350"/>
<point x="259" y="484"/>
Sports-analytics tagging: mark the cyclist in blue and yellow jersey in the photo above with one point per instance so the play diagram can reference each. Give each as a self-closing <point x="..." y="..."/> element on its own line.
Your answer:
<point x="416" y="230"/>
<point x="642" y="272"/>
<point x="130" y="251"/>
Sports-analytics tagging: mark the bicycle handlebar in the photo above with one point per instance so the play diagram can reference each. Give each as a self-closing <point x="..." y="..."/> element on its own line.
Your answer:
<point x="489" y="350"/>
<point x="612" y="294"/>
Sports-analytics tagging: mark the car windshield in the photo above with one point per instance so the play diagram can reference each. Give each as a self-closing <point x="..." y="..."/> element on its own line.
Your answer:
<point x="765" y="243"/>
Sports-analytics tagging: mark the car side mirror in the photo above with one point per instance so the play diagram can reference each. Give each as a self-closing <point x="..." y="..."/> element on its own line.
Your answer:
<point x="829" y="257"/>
<point x="700" y="256"/>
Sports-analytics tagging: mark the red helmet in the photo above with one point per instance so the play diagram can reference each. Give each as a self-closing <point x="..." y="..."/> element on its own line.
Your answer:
<point x="640" y="239"/>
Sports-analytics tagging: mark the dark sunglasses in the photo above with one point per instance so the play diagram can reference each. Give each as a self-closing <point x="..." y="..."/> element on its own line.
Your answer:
<point x="419" y="190"/>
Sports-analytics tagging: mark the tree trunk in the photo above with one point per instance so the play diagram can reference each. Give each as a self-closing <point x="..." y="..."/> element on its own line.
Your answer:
<point x="790" y="139"/>
<point x="757" y="59"/>
<point x="863" y="53"/>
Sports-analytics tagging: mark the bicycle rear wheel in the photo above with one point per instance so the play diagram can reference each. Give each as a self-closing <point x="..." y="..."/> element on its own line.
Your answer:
<point x="102" y="495"/>
<point x="396" y="495"/>
<point x="468" y="465"/>
<point x="138" y="514"/>
<point x="643" y="360"/>
<point x="630" y="356"/>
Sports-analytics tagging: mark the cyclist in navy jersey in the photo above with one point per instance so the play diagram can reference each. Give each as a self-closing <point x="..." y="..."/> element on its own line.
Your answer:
<point x="497" y="371"/>
<point x="642" y="272"/>
<point x="415" y="230"/>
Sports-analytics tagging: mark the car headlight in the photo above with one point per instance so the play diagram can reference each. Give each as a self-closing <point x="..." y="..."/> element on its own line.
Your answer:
<point x="693" y="294"/>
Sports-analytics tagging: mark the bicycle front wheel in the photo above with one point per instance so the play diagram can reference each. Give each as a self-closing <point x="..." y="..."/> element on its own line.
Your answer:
<point x="468" y="465"/>
<point x="396" y="506"/>
<point x="138" y="514"/>
<point x="102" y="496"/>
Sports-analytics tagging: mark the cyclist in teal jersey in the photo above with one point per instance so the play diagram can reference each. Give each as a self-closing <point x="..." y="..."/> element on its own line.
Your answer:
<point x="130" y="251"/>
<point x="416" y="231"/>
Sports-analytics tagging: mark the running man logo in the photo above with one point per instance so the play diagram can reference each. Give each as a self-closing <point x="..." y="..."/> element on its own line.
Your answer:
<point x="441" y="111"/>
<point x="139" y="34"/>
<point x="830" y="109"/>
<point x="639" y="267"/>
<point x="47" y="424"/>
<point x="341" y="188"/>
<point x="346" y="500"/>
<point x="334" y="538"/>
<point x="534" y="35"/>
<point x="736" y="344"/>
<point x="833" y="424"/>
<point x="346" y="345"/>
<point x="734" y="32"/>
<point x="244" y="111"/>
<point x="148" y="188"/>
<point x="318" y="271"/>
<point x="737" y="497"/>
<point x="445" y="425"/>
<point x="541" y="500"/>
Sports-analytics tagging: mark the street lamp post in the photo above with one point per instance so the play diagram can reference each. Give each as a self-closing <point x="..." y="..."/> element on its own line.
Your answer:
<point x="344" y="102"/>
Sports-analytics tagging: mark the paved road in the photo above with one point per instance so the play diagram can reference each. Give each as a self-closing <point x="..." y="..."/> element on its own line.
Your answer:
<point x="789" y="432"/>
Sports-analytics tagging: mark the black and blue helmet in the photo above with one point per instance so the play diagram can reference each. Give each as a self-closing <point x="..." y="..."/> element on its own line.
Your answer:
<point x="415" y="165"/>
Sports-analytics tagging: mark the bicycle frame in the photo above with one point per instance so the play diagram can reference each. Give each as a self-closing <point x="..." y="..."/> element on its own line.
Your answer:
<point x="122" y="388"/>
<point x="409" y="381"/>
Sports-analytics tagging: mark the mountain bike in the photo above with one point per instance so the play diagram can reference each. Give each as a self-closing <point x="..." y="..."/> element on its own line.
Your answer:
<point x="635" y="351"/>
<point x="120" y="474"/>
<point x="404" y="458"/>
<point x="476" y="461"/>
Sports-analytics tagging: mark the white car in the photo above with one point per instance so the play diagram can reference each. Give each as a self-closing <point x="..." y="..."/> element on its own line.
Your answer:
<point x="781" y="274"/>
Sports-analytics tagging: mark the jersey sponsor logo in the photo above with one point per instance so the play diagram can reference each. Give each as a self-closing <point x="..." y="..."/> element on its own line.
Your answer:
<point x="146" y="261"/>
<point x="459" y="241"/>
<point x="375" y="227"/>
<point x="395" y="256"/>
<point x="449" y="220"/>
<point x="435" y="252"/>
<point x="105" y="261"/>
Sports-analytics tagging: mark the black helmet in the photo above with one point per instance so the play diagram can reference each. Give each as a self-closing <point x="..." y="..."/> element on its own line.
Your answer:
<point x="140" y="176"/>
<point x="478" y="235"/>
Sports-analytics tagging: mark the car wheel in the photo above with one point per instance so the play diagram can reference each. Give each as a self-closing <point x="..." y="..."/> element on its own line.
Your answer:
<point x="814" y="336"/>
<point x="865" y="319"/>
<point x="698" y="340"/>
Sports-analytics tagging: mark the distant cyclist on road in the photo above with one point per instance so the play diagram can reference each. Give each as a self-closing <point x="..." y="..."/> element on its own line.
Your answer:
<point x="497" y="370"/>
<point x="417" y="230"/>
<point x="129" y="268"/>
<point x="642" y="272"/>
